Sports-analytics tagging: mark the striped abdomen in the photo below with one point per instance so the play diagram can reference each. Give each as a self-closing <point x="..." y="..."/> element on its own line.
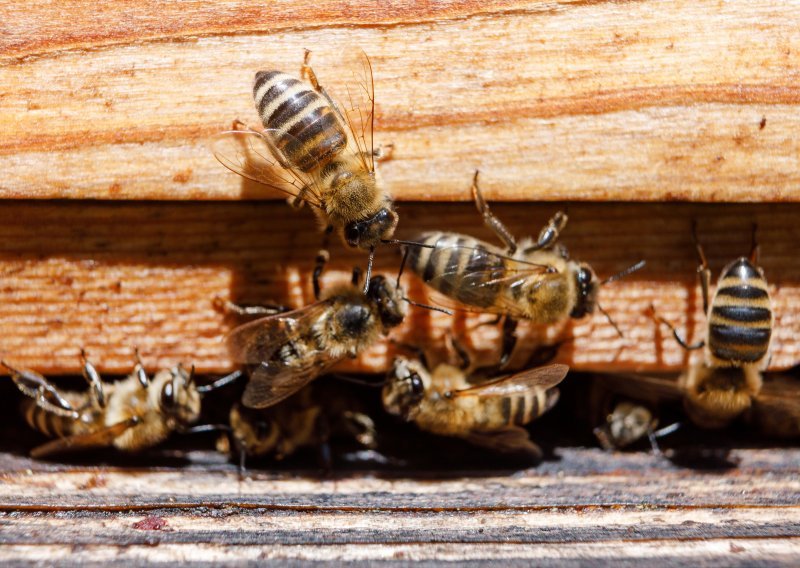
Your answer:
<point x="522" y="409"/>
<point x="740" y="317"/>
<point x="49" y="424"/>
<point x="301" y="122"/>
<point x="458" y="266"/>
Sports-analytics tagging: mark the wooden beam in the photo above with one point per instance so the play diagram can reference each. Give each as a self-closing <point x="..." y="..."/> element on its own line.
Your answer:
<point x="108" y="276"/>
<point x="552" y="100"/>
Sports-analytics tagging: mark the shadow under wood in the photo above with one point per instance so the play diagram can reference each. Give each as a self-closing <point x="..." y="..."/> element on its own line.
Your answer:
<point x="110" y="275"/>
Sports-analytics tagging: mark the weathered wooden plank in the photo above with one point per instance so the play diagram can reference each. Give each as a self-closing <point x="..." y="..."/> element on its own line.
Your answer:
<point x="589" y="100"/>
<point x="110" y="276"/>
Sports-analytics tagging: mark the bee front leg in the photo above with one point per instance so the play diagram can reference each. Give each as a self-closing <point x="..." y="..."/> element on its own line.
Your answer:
<point x="490" y="220"/>
<point x="323" y="256"/>
<point x="550" y="233"/>
<point x="95" y="382"/>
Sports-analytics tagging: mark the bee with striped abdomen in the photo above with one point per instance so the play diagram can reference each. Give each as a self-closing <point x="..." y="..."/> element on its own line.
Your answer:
<point x="533" y="280"/>
<point x="736" y="345"/>
<point x="489" y="414"/>
<point x="310" y="418"/>
<point x="131" y="415"/>
<point x="320" y="154"/>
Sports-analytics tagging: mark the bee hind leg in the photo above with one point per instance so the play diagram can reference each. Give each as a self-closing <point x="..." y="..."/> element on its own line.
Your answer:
<point x="659" y="319"/>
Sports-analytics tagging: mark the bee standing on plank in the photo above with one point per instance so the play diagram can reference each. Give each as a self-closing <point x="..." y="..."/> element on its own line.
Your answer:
<point x="490" y="414"/>
<point x="131" y="415"/>
<point x="533" y="280"/>
<point x="288" y="350"/>
<point x="320" y="154"/>
<point x="310" y="418"/>
<point x="736" y="347"/>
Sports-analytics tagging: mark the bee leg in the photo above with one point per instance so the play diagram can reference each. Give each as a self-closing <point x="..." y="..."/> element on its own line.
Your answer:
<point x="228" y="307"/>
<point x="509" y="340"/>
<point x="702" y="270"/>
<point x="95" y="382"/>
<point x="490" y="220"/>
<point x="323" y="256"/>
<point x="461" y="351"/>
<point x="419" y="352"/>
<point x="601" y="433"/>
<point x="659" y="319"/>
<point x="753" y="379"/>
<point x="138" y="369"/>
<point x="383" y="152"/>
<point x="755" y="249"/>
<point x="550" y="233"/>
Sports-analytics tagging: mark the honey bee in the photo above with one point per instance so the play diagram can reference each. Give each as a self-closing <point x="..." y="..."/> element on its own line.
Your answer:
<point x="130" y="415"/>
<point x="317" y="153"/>
<point x="736" y="346"/>
<point x="490" y="414"/>
<point x="309" y="418"/>
<point x="288" y="350"/>
<point x="533" y="280"/>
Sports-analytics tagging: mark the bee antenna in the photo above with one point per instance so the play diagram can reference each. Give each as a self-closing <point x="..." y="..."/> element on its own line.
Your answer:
<point x="407" y="243"/>
<point x="630" y="270"/>
<point x="226" y="380"/>
<point x="369" y="269"/>
<point x="428" y="307"/>
<point x="611" y="321"/>
<point x="362" y="382"/>
<point x="402" y="267"/>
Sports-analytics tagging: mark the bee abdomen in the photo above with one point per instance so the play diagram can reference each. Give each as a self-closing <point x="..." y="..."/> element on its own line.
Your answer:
<point x="47" y="423"/>
<point x="301" y="122"/>
<point x="740" y="319"/>
<point x="458" y="266"/>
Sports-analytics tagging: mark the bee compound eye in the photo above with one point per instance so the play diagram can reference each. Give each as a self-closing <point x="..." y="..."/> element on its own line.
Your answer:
<point x="353" y="234"/>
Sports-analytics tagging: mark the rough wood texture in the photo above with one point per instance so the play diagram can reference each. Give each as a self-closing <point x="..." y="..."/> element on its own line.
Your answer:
<point x="587" y="505"/>
<point x="588" y="101"/>
<point x="108" y="276"/>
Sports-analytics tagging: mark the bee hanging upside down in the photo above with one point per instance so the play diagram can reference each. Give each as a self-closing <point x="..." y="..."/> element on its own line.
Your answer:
<point x="318" y="152"/>
<point x="490" y="414"/>
<point x="130" y="415"/>
<point x="532" y="280"/>
<point x="736" y="346"/>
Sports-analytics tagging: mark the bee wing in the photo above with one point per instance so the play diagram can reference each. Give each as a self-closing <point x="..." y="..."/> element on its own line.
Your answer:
<point x="644" y="387"/>
<point x="539" y="378"/>
<point x="99" y="439"/>
<point x="271" y="382"/>
<point x="252" y="155"/>
<point x="359" y="111"/>
<point x="776" y="409"/>
<point x="478" y="285"/>
<point x="255" y="342"/>
<point x="513" y="440"/>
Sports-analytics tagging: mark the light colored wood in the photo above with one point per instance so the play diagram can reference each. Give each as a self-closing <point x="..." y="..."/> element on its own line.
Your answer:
<point x="552" y="100"/>
<point x="587" y="505"/>
<point x="109" y="276"/>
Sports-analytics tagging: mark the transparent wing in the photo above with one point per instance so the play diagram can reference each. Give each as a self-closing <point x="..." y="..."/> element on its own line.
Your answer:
<point x="272" y="382"/>
<point x="359" y="109"/>
<point x="514" y="440"/>
<point x="484" y="287"/>
<point x="99" y="439"/>
<point x="643" y="387"/>
<point x="252" y="155"/>
<point x="257" y="341"/>
<point x="518" y="383"/>
<point x="776" y="409"/>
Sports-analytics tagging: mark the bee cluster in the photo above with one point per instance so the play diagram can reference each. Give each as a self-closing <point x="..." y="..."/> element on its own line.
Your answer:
<point x="321" y="154"/>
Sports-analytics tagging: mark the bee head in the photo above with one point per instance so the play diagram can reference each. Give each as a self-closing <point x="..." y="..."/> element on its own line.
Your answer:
<point x="586" y="286"/>
<point x="178" y="398"/>
<point x="368" y="233"/>
<point x="389" y="300"/>
<point x="404" y="388"/>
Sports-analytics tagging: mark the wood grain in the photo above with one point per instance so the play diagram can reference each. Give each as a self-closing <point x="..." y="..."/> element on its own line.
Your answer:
<point x="590" y="101"/>
<point x="109" y="276"/>
<point x="587" y="505"/>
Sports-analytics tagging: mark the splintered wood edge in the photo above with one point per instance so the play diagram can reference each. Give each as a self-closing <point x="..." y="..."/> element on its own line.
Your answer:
<point x="111" y="276"/>
<point x="601" y="103"/>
